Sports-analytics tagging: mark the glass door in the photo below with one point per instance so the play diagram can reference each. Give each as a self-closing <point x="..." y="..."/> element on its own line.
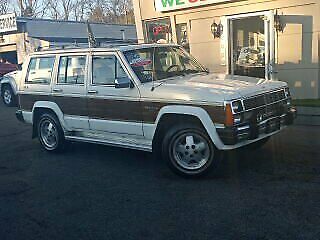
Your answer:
<point x="250" y="46"/>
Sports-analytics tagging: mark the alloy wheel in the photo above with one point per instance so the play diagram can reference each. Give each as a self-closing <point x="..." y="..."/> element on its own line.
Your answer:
<point x="191" y="151"/>
<point x="49" y="134"/>
<point x="7" y="96"/>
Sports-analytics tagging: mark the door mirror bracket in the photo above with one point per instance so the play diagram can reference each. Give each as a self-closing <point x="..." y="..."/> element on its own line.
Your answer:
<point x="123" y="83"/>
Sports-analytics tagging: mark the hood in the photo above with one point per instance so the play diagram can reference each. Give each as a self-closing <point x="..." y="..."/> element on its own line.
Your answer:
<point x="13" y="73"/>
<point x="209" y="87"/>
<point x="13" y="78"/>
<point x="7" y="67"/>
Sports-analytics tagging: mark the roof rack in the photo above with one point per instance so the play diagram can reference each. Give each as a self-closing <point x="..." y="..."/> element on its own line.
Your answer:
<point x="109" y="44"/>
<point x="61" y="47"/>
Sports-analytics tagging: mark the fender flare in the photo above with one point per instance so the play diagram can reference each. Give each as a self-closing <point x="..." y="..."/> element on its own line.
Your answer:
<point x="197" y="112"/>
<point x="53" y="107"/>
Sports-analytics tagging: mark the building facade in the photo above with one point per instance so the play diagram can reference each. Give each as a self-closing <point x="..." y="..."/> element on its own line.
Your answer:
<point x="272" y="39"/>
<point x="19" y="36"/>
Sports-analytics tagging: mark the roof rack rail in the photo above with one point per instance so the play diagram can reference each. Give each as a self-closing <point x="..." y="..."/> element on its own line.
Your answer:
<point x="110" y="44"/>
<point x="61" y="47"/>
<point x="117" y="43"/>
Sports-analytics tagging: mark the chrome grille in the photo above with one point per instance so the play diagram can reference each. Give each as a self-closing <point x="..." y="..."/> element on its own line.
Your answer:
<point x="264" y="99"/>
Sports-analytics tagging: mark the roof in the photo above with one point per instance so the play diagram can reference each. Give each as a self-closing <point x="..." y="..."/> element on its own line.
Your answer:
<point x="70" y="31"/>
<point x="111" y="47"/>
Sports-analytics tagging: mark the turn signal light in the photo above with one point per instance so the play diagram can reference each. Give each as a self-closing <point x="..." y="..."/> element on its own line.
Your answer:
<point x="229" y="115"/>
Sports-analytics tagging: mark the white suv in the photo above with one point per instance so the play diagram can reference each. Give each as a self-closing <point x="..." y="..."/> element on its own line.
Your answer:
<point x="9" y="87"/>
<point x="148" y="97"/>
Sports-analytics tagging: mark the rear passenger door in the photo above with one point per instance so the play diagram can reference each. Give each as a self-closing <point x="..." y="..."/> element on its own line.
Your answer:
<point x="69" y="90"/>
<point x="111" y="109"/>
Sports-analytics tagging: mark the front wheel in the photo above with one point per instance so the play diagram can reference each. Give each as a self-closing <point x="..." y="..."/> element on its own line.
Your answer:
<point x="50" y="133"/>
<point x="189" y="150"/>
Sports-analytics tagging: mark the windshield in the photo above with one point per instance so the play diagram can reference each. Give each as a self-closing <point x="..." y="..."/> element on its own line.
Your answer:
<point x="159" y="63"/>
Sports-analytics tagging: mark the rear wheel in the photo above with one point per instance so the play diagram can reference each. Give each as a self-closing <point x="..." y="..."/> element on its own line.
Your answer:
<point x="50" y="133"/>
<point x="189" y="150"/>
<point x="8" y="96"/>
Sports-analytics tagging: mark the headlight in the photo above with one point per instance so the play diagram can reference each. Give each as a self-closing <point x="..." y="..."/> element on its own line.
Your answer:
<point x="237" y="106"/>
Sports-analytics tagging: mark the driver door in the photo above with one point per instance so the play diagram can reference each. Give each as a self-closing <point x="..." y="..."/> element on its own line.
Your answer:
<point x="111" y="109"/>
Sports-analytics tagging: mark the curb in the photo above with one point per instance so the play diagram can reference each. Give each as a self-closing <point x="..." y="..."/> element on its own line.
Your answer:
<point x="308" y="116"/>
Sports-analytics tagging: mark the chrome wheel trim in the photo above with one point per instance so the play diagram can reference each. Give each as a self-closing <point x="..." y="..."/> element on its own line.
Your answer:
<point x="7" y="97"/>
<point x="191" y="151"/>
<point x="48" y="134"/>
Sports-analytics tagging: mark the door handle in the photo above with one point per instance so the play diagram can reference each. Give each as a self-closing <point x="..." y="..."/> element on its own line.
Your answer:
<point x="57" y="90"/>
<point x="92" y="91"/>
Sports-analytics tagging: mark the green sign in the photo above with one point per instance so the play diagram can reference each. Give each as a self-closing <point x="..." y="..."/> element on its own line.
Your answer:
<point x="169" y="5"/>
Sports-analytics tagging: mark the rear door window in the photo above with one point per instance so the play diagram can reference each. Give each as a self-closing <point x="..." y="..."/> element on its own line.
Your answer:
<point x="72" y="70"/>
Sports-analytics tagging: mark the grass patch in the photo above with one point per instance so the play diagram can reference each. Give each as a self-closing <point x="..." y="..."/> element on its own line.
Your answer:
<point x="306" y="102"/>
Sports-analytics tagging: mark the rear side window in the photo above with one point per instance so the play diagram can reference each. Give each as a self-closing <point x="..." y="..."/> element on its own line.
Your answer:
<point x="106" y="69"/>
<point x="40" y="70"/>
<point x="72" y="69"/>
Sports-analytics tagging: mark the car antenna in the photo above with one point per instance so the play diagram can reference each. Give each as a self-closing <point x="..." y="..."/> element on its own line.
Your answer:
<point x="91" y="39"/>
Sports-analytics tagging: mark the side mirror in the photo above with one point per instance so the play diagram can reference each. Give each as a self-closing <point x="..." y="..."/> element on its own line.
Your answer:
<point x="123" y="83"/>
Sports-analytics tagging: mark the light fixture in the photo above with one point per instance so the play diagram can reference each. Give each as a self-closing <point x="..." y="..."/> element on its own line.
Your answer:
<point x="216" y="29"/>
<point x="278" y="24"/>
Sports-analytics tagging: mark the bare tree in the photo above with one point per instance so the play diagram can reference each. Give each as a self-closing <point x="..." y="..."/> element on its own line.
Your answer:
<point x="97" y="15"/>
<point x="67" y="7"/>
<point x="118" y="11"/>
<point x="4" y="6"/>
<point x="107" y="11"/>
<point x="80" y="9"/>
<point x="53" y="9"/>
<point x="30" y="8"/>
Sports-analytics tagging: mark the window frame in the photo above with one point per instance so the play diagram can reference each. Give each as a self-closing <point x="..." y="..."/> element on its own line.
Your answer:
<point x="84" y="54"/>
<point x="37" y="59"/>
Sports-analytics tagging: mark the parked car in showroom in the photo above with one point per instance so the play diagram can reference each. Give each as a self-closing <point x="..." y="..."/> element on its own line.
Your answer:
<point x="8" y="88"/>
<point x="150" y="97"/>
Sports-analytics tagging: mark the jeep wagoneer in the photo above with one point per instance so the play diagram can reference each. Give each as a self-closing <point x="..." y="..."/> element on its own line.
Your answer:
<point x="148" y="97"/>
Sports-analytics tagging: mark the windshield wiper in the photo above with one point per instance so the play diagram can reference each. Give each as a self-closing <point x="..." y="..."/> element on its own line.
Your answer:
<point x="195" y="71"/>
<point x="162" y="82"/>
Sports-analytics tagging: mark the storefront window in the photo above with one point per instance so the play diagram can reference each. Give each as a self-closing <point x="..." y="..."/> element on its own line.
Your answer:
<point x="248" y="47"/>
<point x="182" y="36"/>
<point x="158" y="31"/>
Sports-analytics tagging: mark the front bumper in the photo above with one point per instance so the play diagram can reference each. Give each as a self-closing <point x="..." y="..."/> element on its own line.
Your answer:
<point x="254" y="130"/>
<point x="19" y="116"/>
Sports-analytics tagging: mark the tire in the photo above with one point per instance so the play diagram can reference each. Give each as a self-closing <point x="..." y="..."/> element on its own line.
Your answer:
<point x="189" y="151"/>
<point x="8" y="97"/>
<point x="259" y="144"/>
<point x="50" y="133"/>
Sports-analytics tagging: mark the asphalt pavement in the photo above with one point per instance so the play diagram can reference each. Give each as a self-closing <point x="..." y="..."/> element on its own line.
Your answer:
<point x="98" y="192"/>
